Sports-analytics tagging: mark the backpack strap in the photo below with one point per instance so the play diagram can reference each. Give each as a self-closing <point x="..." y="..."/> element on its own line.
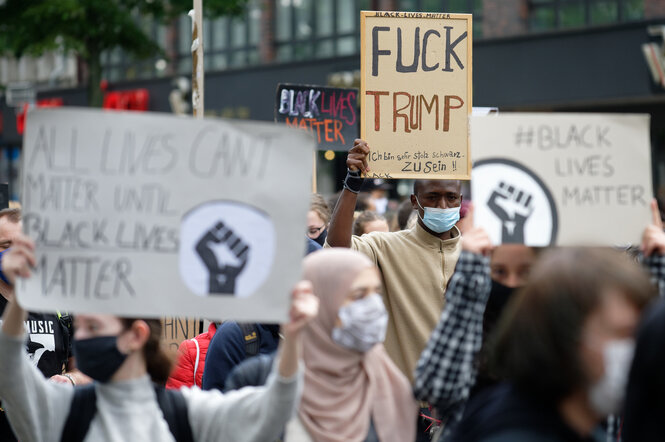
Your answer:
<point x="250" y="334"/>
<point x="174" y="409"/>
<point x="84" y="406"/>
<point x="196" y="361"/>
<point x="81" y="412"/>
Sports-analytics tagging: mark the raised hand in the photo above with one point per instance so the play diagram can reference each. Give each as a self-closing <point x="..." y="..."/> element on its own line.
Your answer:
<point x="304" y="308"/>
<point x="475" y="239"/>
<point x="653" y="239"/>
<point x="357" y="157"/>
<point x="513" y="207"/>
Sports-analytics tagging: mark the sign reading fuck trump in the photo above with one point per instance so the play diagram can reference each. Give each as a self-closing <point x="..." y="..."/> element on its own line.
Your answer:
<point x="416" y="93"/>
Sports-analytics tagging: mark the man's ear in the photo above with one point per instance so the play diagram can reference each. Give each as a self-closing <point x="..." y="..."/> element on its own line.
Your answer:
<point x="414" y="202"/>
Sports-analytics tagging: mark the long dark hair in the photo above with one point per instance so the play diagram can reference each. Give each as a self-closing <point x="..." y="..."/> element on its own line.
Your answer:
<point x="537" y="340"/>
<point x="158" y="362"/>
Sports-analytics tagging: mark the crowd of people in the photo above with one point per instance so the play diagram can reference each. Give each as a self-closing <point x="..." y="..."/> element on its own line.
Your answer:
<point x="405" y="328"/>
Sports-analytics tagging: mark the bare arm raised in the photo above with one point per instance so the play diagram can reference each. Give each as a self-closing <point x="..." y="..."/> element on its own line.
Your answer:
<point x="341" y="223"/>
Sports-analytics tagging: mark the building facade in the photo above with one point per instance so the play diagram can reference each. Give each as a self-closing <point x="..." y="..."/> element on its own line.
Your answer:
<point x="529" y="55"/>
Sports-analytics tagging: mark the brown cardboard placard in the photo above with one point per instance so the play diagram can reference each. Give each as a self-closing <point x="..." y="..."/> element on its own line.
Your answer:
<point x="416" y="93"/>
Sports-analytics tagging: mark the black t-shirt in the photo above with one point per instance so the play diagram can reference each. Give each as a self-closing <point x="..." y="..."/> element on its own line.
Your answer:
<point x="49" y="347"/>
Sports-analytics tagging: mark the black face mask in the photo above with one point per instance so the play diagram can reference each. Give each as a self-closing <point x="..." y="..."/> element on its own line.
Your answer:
<point x="322" y="237"/>
<point x="98" y="357"/>
<point x="499" y="296"/>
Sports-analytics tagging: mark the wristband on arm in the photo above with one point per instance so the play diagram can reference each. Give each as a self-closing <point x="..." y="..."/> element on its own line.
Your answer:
<point x="353" y="181"/>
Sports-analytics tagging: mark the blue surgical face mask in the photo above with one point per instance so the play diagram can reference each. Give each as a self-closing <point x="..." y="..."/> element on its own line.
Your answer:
<point x="439" y="220"/>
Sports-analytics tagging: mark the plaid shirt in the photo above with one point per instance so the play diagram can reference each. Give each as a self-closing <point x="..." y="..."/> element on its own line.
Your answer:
<point x="447" y="371"/>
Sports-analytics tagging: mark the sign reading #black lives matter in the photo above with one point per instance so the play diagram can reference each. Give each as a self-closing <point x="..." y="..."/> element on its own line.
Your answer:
<point x="329" y="114"/>
<point x="415" y="93"/>
<point x="562" y="179"/>
<point x="155" y="215"/>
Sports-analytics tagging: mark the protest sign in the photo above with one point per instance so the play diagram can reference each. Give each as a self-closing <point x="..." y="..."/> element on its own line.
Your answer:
<point x="329" y="114"/>
<point x="175" y="330"/>
<point x="141" y="214"/>
<point x="562" y="179"/>
<point x="415" y="93"/>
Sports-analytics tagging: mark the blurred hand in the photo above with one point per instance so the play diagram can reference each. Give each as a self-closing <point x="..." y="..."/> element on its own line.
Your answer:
<point x="465" y="224"/>
<point x="304" y="308"/>
<point x="60" y="379"/>
<point x="653" y="239"/>
<point x="19" y="259"/>
<point x="357" y="157"/>
<point x="474" y="239"/>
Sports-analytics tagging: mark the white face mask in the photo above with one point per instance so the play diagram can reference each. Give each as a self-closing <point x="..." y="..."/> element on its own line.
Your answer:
<point x="364" y="324"/>
<point x="607" y="394"/>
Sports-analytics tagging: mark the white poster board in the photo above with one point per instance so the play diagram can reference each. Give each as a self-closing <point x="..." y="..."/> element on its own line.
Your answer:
<point x="141" y="214"/>
<point x="562" y="179"/>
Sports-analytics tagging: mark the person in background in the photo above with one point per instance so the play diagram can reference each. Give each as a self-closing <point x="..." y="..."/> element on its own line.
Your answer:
<point x="367" y="222"/>
<point x="233" y="343"/>
<point x="188" y="371"/>
<point x="123" y="355"/>
<point x="318" y="218"/>
<point x="404" y="212"/>
<point x="564" y="346"/>
<point x="353" y="391"/>
<point x="378" y="194"/>
<point x="415" y="264"/>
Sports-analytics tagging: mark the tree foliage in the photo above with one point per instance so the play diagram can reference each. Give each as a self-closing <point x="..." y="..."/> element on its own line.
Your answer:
<point x="90" y="27"/>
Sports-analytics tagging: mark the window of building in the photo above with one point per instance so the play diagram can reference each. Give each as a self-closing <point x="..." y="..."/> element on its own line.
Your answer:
<point x="474" y="7"/>
<point x="306" y="29"/>
<point x="118" y="65"/>
<point x="561" y="14"/>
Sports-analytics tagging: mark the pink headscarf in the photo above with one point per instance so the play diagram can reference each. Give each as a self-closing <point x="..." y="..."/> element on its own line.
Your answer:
<point x="345" y="388"/>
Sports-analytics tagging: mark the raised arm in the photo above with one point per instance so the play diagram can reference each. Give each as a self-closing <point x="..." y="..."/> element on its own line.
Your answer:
<point x="653" y="249"/>
<point x="35" y="407"/>
<point x="258" y="413"/>
<point x="446" y="370"/>
<point x="341" y="223"/>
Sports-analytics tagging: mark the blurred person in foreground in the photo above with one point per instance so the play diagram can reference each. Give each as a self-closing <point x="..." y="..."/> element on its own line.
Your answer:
<point x="564" y="346"/>
<point x="124" y="357"/>
<point x="353" y="391"/>
<point x="453" y="367"/>
<point x="644" y="419"/>
<point x="49" y="335"/>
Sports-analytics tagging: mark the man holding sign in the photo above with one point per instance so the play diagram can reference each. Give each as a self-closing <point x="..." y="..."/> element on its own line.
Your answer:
<point x="415" y="264"/>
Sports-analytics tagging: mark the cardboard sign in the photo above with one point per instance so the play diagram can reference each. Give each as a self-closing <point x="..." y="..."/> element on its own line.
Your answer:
<point x="415" y="93"/>
<point x="562" y="179"/>
<point x="175" y="330"/>
<point x="155" y="215"/>
<point x="329" y="114"/>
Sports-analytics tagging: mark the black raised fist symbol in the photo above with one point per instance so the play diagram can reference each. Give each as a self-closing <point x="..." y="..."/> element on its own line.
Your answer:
<point x="222" y="277"/>
<point x="513" y="207"/>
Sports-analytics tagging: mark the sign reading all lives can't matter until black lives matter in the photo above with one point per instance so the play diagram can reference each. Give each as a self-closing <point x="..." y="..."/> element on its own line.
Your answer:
<point x="140" y="214"/>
